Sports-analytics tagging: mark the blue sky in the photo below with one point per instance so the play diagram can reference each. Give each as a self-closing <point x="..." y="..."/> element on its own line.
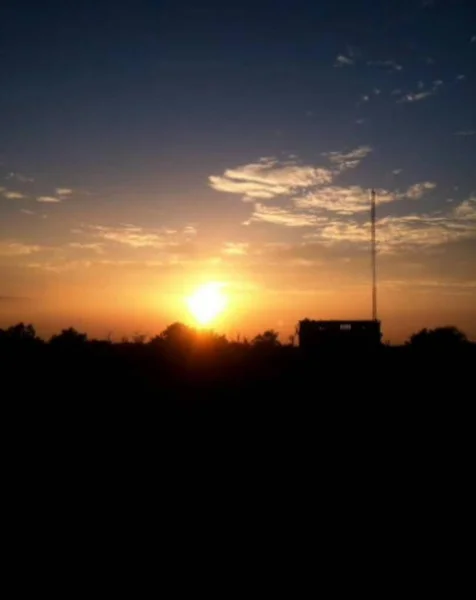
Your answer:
<point x="163" y="143"/>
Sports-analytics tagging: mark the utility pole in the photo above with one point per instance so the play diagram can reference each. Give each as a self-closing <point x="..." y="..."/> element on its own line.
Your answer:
<point x="373" y="251"/>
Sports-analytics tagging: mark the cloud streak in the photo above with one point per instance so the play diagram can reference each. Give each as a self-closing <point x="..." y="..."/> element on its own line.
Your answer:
<point x="11" y="195"/>
<point x="18" y="249"/>
<point x="48" y="199"/>
<point x="268" y="179"/>
<point x="343" y="61"/>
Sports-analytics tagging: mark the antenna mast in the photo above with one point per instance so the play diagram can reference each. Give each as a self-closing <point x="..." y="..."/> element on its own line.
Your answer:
<point x="373" y="251"/>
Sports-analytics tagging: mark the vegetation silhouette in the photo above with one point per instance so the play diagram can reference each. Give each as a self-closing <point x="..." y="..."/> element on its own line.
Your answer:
<point x="190" y="366"/>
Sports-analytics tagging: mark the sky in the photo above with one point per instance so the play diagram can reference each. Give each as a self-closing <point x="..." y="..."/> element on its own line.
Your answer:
<point x="150" y="147"/>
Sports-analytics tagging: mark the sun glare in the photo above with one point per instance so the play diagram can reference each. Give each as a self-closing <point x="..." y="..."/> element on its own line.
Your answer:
<point x="207" y="302"/>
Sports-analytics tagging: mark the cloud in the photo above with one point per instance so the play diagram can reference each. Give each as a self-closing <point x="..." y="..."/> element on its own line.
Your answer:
<point x="64" y="191"/>
<point x="48" y="199"/>
<point x="283" y="216"/>
<point x="397" y="171"/>
<point x="94" y="247"/>
<point x="406" y="233"/>
<point x="235" y="248"/>
<point x="61" y="267"/>
<point x="466" y="132"/>
<point x="473" y="39"/>
<point x="343" y="61"/>
<point x="26" y="211"/>
<point x="421" y="95"/>
<point x="389" y="64"/>
<point x="190" y="230"/>
<point x="20" y="177"/>
<point x="355" y="199"/>
<point x="138" y="237"/>
<point x="416" y="97"/>
<point x="13" y="195"/>
<point x="17" y="249"/>
<point x="342" y="200"/>
<point x="418" y="190"/>
<point x="349" y="160"/>
<point x="460" y="77"/>
<point x="269" y="178"/>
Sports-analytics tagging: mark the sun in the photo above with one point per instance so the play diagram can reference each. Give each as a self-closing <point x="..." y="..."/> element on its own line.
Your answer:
<point x="207" y="302"/>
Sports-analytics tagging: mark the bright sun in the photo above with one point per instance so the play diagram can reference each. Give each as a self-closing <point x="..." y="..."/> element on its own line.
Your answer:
<point x="207" y="302"/>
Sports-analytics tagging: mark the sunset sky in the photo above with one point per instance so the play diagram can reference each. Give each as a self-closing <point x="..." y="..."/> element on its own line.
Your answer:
<point x="151" y="147"/>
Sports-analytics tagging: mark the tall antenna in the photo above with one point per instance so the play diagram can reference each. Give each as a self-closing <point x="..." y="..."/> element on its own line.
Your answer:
<point x="373" y="251"/>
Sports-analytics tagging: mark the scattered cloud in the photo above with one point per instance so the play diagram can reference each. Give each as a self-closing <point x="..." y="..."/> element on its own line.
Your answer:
<point x="418" y="190"/>
<point x="348" y="160"/>
<point x="422" y="94"/>
<point x="342" y="200"/>
<point x="189" y="230"/>
<point x="283" y="216"/>
<point x="134" y="236"/>
<point x="416" y="97"/>
<point x="61" y="266"/>
<point x="26" y="211"/>
<point x="17" y="249"/>
<point x="405" y="233"/>
<point x="473" y="39"/>
<point x="397" y="171"/>
<point x="269" y="178"/>
<point x="466" y="132"/>
<point x="388" y="64"/>
<point x="98" y="248"/>
<point x="64" y="191"/>
<point x="19" y="177"/>
<point x="48" y="199"/>
<point x="460" y="77"/>
<point x="235" y="248"/>
<point x="13" y="195"/>
<point x="343" y="61"/>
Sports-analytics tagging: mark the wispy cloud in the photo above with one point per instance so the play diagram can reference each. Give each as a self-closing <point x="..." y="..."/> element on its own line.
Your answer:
<point x="61" y="266"/>
<point x="48" y="199"/>
<point x="18" y="249"/>
<point x="411" y="97"/>
<point x="391" y="65"/>
<point x="269" y="178"/>
<point x="135" y="236"/>
<point x="283" y="216"/>
<point x="348" y="160"/>
<point x="236" y="248"/>
<point x="64" y="191"/>
<point x="466" y="132"/>
<point x="19" y="177"/>
<point x="341" y="200"/>
<point x="98" y="248"/>
<point x="343" y="61"/>
<point x="405" y="233"/>
<point x="418" y="190"/>
<point x="421" y="94"/>
<point x="26" y="211"/>
<point x="11" y="195"/>
<point x="473" y="39"/>
<point x="354" y="199"/>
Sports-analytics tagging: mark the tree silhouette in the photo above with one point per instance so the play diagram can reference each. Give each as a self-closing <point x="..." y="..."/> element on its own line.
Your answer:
<point x="440" y="338"/>
<point x="68" y="338"/>
<point x="268" y="339"/>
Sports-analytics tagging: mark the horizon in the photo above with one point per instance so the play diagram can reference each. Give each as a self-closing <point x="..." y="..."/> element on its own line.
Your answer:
<point x="212" y="165"/>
